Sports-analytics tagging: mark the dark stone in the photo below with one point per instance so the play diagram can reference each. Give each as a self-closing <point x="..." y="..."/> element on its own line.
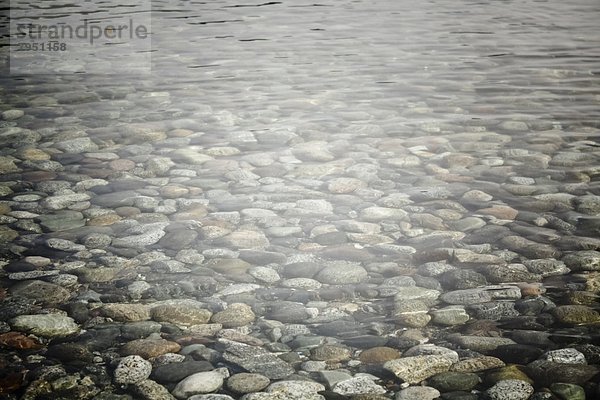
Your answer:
<point x="462" y="279"/>
<point x="301" y="270"/>
<point x="175" y="372"/>
<point x="70" y="352"/>
<point x="546" y="373"/>
<point x="341" y="329"/>
<point x="366" y="341"/>
<point x="517" y="353"/>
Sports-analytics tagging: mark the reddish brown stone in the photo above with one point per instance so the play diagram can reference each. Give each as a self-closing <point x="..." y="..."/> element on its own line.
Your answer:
<point x="16" y="340"/>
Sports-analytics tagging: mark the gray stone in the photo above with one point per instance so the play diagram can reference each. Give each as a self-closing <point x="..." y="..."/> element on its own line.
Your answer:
<point x="45" y="293"/>
<point x="418" y="368"/>
<point x="418" y="393"/>
<point x="564" y="356"/>
<point x="450" y="315"/>
<point x="132" y="369"/>
<point x="46" y="325"/>
<point x="247" y="383"/>
<point x="255" y="359"/>
<point x="342" y="273"/>
<point x="150" y="390"/>
<point x="583" y="260"/>
<point x="358" y="385"/>
<point x="77" y="145"/>
<point x="510" y="389"/>
<point x="201" y="382"/>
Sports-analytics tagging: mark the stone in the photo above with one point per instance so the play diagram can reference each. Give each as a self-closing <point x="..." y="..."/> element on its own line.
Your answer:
<point x="245" y="239"/>
<point x="149" y="390"/>
<point x="477" y="364"/>
<point x="47" y="294"/>
<point x="510" y="389"/>
<point x="201" y="382"/>
<point x="132" y="369"/>
<point x="480" y="344"/>
<point x="126" y="312"/>
<point x="376" y="214"/>
<point x="413" y="313"/>
<point x="418" y="393"/>
<point x="415" y="369"/>
<point x="545" y="372"/>
<point x="46" y="325"/>
<point x="149" y="348"/>
<point x="18" y="341"/>
<point x="583" y="260"/>
<point x="546" y="267"/>
<point x="287" y="312"/>
<point x="452" y="381"/>
<point x="289" y="390"/>
<point x="575" y="314"/>
<point x="77" y="145"/>
<point x="247" y="383"/>
<point x="568" y="391"/>
<point x="177" y="371"/>
<point x="330" y="353"/>
<point x="342" y="273"/>
<point x="255" y="360"/>
<point x="378" y="355"/>
<point x="507" y="372"/>
<point x="235" y="315"/>
<point x="412" y="293"/>
<point x="358" y="385"/>
<point x="450" y="315"/>
<point x="564" y="356"/>
<point x="12" y="114"/>
<point x="184" y="312"/>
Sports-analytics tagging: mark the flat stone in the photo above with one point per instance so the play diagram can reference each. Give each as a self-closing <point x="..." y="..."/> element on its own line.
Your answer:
<point x="126" y="312"/>
<point x="418" y="368"/>
<point x="255" y="360"/>
<point x="149" y="348"/>
<point x="358" y="385"/>
<point x="46" y="325"/>
<point x="453" y="381"/>
<point x="45" y="293"/>
<point x="235" y="315"/>
<point x="185" y="312"/>
<point x="176" y="371"/>
<point x="477" y="364"/>
<point x="201" y="382"/>
<point x="418" y="393"/>
<point x="575" y="314"/>
<point x="545" y="372"/>
<point x="481" y="344"/>
<point x="583" y="260"/>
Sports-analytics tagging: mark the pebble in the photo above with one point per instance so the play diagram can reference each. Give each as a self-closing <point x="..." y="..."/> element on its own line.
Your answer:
<point x="45" y="325"/>
<point x="201" y="382"/>
<point x="149" y="348"/>
<point x="418" y="393"/>
<point x="510" y="389"/>
<point x="132" y="369"/>
<point x="235" y="315"/>
<point x="247" y="383"/>
<point x="415" y="369"/>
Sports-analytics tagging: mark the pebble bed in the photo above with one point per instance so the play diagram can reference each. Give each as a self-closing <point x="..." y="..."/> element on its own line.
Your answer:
<point x="326" y="237"/>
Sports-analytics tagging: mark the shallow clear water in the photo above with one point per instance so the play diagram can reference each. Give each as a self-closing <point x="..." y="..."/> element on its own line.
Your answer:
<point x="418" y="102"/>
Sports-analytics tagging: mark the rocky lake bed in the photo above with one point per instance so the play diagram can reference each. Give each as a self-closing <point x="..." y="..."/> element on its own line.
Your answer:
<point x="164" y="241"/>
